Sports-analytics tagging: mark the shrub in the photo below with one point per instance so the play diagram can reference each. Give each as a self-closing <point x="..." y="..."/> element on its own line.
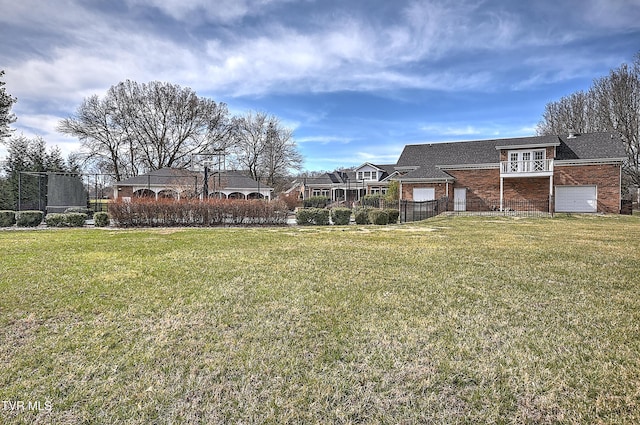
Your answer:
<point x="315" y="216"/>
<point x="101" y="219"/>
<point x="291" y="200"/>
<point x="362" y="216"/>
<point x="7" y="218"/>
<point x="340" y="216"/>
<point x="372" y="200"/>
<point x="316" y="202"/>
<point x="82" y="210"/>
<point x="75" y="219"/>
<point x="393" y="215"/>
<point x="195" y="212"/>
<point x="29" y="218"/>
<point x="55" y="220"/>
<point x="379" y="217"/>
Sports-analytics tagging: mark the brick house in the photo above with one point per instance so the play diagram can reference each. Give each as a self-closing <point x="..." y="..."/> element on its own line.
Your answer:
<point x="572" y="173"/>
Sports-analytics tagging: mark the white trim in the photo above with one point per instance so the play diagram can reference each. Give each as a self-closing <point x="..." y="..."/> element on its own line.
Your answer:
<point x="486" y="166"/>
<point x="428" y="180"/>
<point x="603" y="161"/>
<point x="531" y="146"/>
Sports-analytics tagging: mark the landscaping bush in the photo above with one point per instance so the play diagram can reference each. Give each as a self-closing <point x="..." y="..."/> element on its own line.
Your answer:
<point x="340" y="216"/>
<point x="75" y="219"/>
<point x="29" y="218"/>
<point x="394" y="215"/>
<point x="101" y="219"/>
<point x="362" y="216"/>
<point x="291" y="200"/>
<point x="55" y="220"/>
<point x="312" y="216"/>
<point x="379" y="217"/>
<point x="372" y="200"/>
<point x="316" y="202"/>
<point x="7" y="218"/>
<point x="82" y="210"/>
<point x="194" y="212"/>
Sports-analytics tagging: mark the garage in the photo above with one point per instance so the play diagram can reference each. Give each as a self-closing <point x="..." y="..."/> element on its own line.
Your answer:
<point x="577" y="199"/>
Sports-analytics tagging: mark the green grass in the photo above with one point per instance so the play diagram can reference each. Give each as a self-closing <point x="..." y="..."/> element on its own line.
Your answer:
<point x="454" y="320"/>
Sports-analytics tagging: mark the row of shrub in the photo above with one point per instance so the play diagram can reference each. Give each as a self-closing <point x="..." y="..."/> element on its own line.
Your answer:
<point x="75" y="219"/>
<point x="21" y="218"/>
<point x="342" y="216"/>
<point x="34" y="218"/>
<point x="143" y="212"/>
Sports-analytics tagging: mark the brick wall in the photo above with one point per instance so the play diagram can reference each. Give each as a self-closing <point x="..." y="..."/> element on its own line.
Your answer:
<point x="441" y="190"/>
<point x="483" y="186"/>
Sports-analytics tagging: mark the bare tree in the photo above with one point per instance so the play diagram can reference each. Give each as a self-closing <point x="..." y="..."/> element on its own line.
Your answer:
<point x="249" y="142"/>
<point x="103" y="139"/>
<point x="611" y="104"/>
<point x="618" y="109"/>
<point x="281" y="154"/>
<point x="6" y="117"/>
<point x="572" y="112"/>
<point x="264" y="147"/>
<point x="141" y="127"/>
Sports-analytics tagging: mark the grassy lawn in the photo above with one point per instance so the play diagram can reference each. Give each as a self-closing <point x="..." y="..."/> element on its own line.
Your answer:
<point x="454" y="320"/>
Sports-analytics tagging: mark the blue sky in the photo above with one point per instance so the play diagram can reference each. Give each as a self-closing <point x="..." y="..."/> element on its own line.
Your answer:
<point x="356" y="80"/>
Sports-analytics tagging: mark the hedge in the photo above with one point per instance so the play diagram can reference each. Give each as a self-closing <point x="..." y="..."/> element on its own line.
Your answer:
<point x="7" y="218"/>
<point x="312" y="216"/>
<point x="29" y="218"/>
<point x="55" y="220"/>
<point x="379" y="217"/>
<point x="340" y="216"/>
<point x="101" y="219"/>
<point x="362" y="216"/>
<point x="316" y="202"/>
<point x="65" y="220"/>
<point x="372" y="200"/>
<point x="82" y="210"/>
<point x="75" y="219"/>
<point x="194" y="212"/>
<point x="394" y="215"/>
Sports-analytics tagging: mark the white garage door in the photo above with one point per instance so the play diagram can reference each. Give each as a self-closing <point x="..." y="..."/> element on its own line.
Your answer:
<point x="579" y="199"/>
<point x="424" y="194"/>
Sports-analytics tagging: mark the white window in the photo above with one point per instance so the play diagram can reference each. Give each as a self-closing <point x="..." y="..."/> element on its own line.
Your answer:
<point x="320" y="192"/>
<point x="527" y="161"/>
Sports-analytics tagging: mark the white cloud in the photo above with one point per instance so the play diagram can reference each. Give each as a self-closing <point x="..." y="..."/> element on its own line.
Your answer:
<point x="323" y="140"/>
<point x="218" y="11"/>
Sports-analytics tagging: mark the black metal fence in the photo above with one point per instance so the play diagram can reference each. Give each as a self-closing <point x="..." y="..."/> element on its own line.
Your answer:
<point x="515" y="207"/>
<point x="416" y="211"/>
<point x="421" y="210"/>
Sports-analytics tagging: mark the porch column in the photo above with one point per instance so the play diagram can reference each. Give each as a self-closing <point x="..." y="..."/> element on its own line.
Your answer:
<point x="501" y="192"/>
<point x="550" y="193"/>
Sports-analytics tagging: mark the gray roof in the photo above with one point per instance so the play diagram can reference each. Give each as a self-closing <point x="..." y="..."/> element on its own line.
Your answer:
<point x="232" y="179"/>
<point x="423" y="160"/>
<point x="163" y="176"/>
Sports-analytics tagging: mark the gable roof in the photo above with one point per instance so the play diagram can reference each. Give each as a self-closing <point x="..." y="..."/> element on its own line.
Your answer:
<point x="423" y="161"/>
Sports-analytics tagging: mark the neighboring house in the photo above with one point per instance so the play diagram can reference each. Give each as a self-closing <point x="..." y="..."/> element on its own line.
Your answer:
<point x="574" y="173"/>
<point x="178" y="183"/>
<point x="366" y="179"/>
